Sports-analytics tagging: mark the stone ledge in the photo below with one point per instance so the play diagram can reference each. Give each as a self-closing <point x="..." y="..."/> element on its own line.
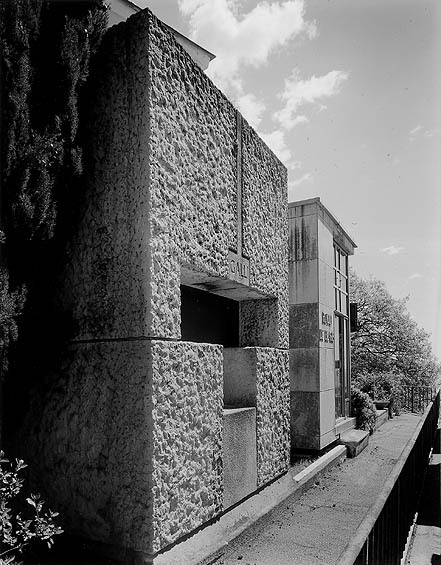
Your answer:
<point x="382" y="418"/>
<point x="355" y="441"/>
<point x="344" y="424"/>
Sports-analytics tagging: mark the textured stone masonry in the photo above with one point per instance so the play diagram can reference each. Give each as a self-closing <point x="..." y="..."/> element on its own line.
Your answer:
<point x="128" y="436"/>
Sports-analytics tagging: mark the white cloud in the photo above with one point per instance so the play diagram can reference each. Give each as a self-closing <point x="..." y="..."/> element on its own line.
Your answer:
<point x="246" y="39"/>
<point x="300" y="119"/>
<point x="251" y="108"/>
<point x="430" y="132"/>
<point x="298" y="92"/>
<point x="277" y="142"/>
<point x="415" y="130"/>
<point x="415" y="276"/>
<point x="419" y="130"/>
<point x="392" y="250"/>
<point x="307" y="177"/>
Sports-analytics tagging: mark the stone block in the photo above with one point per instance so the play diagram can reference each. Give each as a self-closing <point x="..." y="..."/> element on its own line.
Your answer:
<point x="272" y="403"/>
<point x="302" y="233"/>
<point x="327" y="438"/>
<point x="382" y="418"/>
<point x="259" y="323"/>
<point x="304" y="369"/>
<point x="327" y="368"/>
<point x="307" y="442"/>
<point x="162" y="193"/>
<point x="303" y="325"/>
<point x="240" y="380"/>
<point x="326" y="327"/>
<point x="355" y="441"/>
<point x="325" y="244"/>
<point x="305" y="415"/>
<point x="186" y="420"/>
<point x="327" y="411"/>
<point x="303" y="281"/>
<point x="117" y="439"/>
<point x="326" y="285"/>
<point x="240" y="457"/>
<point x="259" y="376"/>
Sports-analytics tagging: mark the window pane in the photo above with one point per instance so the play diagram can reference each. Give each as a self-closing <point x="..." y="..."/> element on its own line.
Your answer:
<point x="344" y="302"/>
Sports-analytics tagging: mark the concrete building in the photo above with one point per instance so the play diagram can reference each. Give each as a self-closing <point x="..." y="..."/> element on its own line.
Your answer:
<point x="172" y="401"/>
<point x="318" y="325"/>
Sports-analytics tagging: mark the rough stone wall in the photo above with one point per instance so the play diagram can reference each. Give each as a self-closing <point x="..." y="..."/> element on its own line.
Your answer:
<point x="133" y="429"/>
<point x="193" y="187"/>
<point x="104" y="285"/>
<point x="129" y="440"/>
<point x="259" y="322"/>
<point x="162" y="193"/>
<point x="89" y="439"/>
<point x="273" y="405"/>
<point x="187" y="437"/>
<point x="265" y="230"/>
<point x="193" y="183"/>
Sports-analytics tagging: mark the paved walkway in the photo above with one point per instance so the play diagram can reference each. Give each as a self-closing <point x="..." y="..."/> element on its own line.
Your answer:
<point x="426" y="544"/>
<point x="315" y="527"/>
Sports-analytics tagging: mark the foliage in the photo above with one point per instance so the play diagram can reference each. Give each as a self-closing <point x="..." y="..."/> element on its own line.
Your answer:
<point x="388" y="339"/>
<point x="11" y="304"/>
<point x="44" y="64"/>
<point x="17" y="531"/>
<point x="364" y="410"/>
<point x="42" y="152"/>
<point x="382" y="386"/>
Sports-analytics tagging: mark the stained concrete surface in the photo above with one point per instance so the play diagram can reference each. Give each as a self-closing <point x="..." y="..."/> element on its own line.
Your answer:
<point x="316" y="527"/>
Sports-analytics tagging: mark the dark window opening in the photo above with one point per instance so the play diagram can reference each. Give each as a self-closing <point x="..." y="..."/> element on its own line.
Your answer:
<point x="209" y="318"/>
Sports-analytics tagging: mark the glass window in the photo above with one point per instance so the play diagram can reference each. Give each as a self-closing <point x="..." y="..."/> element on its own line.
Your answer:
<point x="341" y="280"/>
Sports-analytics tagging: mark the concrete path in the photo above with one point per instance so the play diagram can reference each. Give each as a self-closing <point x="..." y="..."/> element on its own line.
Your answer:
<point x="315" y="527"/>
<point x="425" y="547"/>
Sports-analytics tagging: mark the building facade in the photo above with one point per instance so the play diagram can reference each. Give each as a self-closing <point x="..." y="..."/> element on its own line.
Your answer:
<point x="319" y="332"/>
<point x="172" y="401"/>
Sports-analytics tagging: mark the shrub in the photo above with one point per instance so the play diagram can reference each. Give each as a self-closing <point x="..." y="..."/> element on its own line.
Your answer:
<point x="363" y="409"/>
<point x="385" y="386"/>
<point x="11" y="305"/>
<point x="18" y="531"/>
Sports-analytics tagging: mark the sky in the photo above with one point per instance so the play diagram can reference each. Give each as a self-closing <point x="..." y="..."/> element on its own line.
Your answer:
<point x="347" y="94"/>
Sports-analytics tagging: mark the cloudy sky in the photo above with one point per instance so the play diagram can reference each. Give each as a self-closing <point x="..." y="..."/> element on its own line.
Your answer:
<point x="347" y="93"/>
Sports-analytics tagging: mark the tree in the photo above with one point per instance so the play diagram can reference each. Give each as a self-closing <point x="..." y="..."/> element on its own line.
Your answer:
<point x="388" y="339"/>
<point x="45" y="53"/>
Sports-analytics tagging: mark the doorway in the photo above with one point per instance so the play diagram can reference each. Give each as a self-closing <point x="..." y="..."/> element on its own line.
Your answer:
<point x="342" y="386"/>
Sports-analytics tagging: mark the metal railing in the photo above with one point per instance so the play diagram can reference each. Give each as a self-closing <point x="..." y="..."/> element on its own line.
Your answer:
<point x="416" y="398"/>
<point x="381" y="537"/>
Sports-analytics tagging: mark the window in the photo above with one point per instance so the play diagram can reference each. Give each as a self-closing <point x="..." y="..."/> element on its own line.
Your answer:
<point x="341" y="281"/>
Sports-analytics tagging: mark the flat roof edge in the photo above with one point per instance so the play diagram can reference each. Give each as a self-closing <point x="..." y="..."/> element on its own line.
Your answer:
<point x="316" y="200"/>
<point x="211" y="55"/>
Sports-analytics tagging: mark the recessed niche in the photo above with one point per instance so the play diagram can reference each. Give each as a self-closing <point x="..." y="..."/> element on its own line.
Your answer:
<point x="209" y="318"/>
